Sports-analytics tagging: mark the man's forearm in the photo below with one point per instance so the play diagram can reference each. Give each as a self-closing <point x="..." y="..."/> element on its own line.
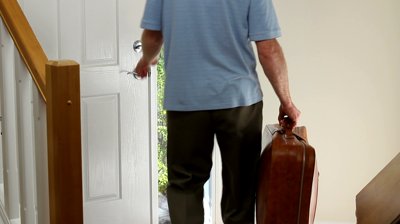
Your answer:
<point x="274" y="65"/>
<point x="151" y="42"/>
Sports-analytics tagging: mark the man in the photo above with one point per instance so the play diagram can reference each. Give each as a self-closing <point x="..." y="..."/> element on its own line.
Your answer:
<point x="212" y="90"/>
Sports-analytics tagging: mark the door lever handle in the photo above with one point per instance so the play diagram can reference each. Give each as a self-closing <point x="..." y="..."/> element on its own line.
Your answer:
<point x="137" y="47"/>
<point x="135" y="74"/>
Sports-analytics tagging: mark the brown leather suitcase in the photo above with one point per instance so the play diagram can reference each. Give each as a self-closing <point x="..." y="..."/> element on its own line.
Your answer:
<point x="288" y="178"/>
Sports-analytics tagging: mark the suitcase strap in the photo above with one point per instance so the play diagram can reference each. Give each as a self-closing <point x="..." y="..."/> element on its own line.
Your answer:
<point x="289" y="133"/>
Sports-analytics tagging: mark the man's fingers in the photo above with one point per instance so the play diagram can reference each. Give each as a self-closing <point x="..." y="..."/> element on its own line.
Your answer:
<point x="142" y="69"/>
<point x="291" y="112"/>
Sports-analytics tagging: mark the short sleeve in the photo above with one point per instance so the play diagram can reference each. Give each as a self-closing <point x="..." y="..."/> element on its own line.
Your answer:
<point x="152" y="17"/>
<point x="263" y="22"/>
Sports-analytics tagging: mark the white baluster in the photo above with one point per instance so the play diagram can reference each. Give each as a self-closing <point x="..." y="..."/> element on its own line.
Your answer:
<point x="26" y="146"/>
<point x="10" y="139"/>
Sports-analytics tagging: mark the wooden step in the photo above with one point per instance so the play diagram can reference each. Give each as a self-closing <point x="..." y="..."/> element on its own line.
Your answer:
<point x="379" y="201"/>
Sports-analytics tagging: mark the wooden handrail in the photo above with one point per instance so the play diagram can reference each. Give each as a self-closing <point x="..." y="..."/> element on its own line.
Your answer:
<point x="25" y="41"/>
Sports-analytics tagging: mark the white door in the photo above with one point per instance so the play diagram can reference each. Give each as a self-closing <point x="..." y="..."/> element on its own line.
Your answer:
<point x="116" y="112"/>
<point x="119" y="185"/>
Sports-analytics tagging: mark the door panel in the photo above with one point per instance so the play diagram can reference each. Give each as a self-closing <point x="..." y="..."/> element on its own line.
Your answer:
<point x="102" y="177"/>
<point x="100" y="32"/>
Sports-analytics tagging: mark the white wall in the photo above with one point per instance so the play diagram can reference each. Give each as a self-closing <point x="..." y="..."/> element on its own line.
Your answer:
<point x="344" y="65"/>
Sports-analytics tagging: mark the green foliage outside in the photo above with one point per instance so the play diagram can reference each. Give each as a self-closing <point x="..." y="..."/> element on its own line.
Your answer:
<point x="162" y="128"/>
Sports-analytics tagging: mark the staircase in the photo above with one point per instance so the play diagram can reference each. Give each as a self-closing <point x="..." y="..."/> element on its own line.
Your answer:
<point x="379" y="201"/>
<point x="40" y="109"/>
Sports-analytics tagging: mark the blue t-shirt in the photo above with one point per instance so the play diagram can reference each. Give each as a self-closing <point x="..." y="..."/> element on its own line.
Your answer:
<point x="209" y="60"/>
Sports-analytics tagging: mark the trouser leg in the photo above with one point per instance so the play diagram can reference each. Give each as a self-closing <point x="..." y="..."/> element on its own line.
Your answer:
<point x="189" y="159"/>
<point x="239" y="138"/>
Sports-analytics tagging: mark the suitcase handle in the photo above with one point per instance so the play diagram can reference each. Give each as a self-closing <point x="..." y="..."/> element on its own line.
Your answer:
<point x="287" y="125"/>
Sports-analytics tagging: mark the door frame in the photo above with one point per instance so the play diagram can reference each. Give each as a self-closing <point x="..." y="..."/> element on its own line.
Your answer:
<point x="152" y="82"/>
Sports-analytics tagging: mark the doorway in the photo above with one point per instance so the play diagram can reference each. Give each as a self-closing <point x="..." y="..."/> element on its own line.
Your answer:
<point x="162" y="137"/>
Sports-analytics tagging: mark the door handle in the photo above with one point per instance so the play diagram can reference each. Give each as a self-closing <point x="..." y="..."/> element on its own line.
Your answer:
<point x="137" y="76"/>
<point x="137" y="48"/>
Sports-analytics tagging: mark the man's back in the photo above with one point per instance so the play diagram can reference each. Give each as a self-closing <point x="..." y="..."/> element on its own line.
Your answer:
<point x="209" y="59"/>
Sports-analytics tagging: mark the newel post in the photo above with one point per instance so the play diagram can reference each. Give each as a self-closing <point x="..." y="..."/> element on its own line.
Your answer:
<point x="64" y="142"/>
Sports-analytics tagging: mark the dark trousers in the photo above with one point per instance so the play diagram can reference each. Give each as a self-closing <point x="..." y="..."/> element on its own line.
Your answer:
<point x="189" y="156"/>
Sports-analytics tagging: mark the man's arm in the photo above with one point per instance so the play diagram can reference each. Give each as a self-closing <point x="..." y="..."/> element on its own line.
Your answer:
<point x="151" y="43"/>
<point x="273" y="62"/>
